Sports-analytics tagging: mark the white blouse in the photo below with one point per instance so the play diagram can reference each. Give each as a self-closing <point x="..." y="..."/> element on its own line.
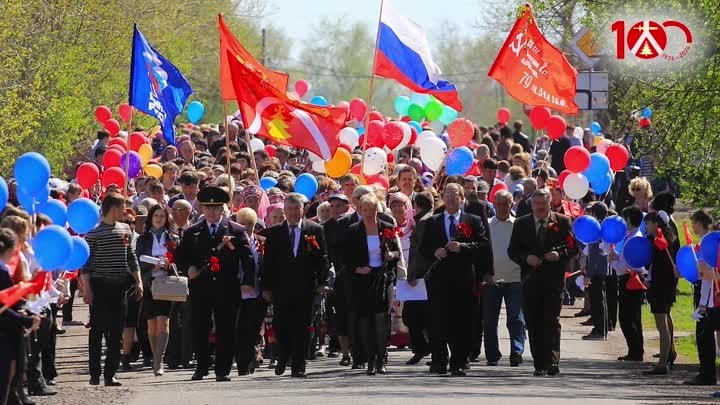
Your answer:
<point x="159" y="250"/>
<point x="374" y="251"/>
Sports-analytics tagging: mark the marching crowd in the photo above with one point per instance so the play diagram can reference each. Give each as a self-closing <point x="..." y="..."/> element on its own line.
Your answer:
<point x="275" y="278"/>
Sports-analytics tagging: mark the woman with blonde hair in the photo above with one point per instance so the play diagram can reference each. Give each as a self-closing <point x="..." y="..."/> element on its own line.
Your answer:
<point x="641" y="191"/>
<point x="523" y="160"/>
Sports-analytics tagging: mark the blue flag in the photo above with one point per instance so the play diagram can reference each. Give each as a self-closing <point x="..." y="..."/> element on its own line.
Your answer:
<point x="156" y="86"/>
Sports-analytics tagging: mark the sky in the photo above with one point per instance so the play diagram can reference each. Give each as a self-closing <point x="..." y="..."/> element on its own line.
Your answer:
<point x="296" y="17"/>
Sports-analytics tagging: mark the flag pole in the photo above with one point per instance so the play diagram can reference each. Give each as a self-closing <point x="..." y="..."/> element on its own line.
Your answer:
<point x="127" y="159"/>
<point x="372" y="81"/>
<point x="227" y="152"/>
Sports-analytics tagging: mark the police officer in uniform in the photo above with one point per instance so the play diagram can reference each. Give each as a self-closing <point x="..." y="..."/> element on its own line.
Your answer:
<point x="212" y="252"/>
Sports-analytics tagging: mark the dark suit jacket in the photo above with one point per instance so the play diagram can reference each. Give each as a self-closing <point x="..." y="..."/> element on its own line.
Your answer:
<point x="143" y="246"/>
<point x="524" y="243"/>
<point x="340" y="246"/>
<point x="11" y="321"/>
<point x="357" y="252"/>
<point x="196" y="248"/>
<point x="331" y="228"/>
<point x="292" y="277"/>
<point x="418" y="263"/>
<point x="459" y="269"/>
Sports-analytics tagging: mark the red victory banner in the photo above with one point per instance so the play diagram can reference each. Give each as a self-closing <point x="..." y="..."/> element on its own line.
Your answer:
<point x="532" y="70"/>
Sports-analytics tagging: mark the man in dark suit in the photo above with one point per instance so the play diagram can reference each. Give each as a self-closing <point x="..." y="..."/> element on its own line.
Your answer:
<point x="212" y="252"/>
<point x="295" y="266"/>
<point x="459" y="245"/>
<point x="542" y="244"/>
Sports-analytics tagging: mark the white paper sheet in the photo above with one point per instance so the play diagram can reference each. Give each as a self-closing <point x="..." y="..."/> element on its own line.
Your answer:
<point x="406" y="292"/>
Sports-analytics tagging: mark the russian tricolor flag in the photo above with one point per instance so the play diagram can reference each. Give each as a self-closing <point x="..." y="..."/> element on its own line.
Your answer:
<point x="403" y="54"/>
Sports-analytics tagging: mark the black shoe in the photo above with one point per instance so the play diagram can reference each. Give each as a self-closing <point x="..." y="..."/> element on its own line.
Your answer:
<point x="657" y="371"/>
<point x="671" y="360"/>
<point x="465" y="366"/>
<point x="539" y="373"/>
<point x="593" y="336"/>
<point x="380" y="367"/>
<point x="21" y="397"/>
<point x="370" y="368"/>
<point x="280" y="367"/>
<point x="112" y="382"/>
<point x="358" y="366"/>
<point x="147" y="362"/>
<point x="41" y="391"/>
<point x="273" y="364"/>
<point x="588" y="322"/>
<point x="581" y="314"/>
<point x="198" y="375"/>
<point x="492" y="363"/>
<point x="51" y="383"/>
<point x="415" y="359"/>
<point x="298" y="374"/>
<point x="553" y="370"/>
<point x="515" y="359"/>
<point x="333" y="355"/>
<point x="125" y="360"/>
<point x="243" y="373"/>
<point x="222" y="378"/>
<point x="699" y="381"/>
<point x="458" y="373"/>
<point x="441" y="370"/>
<point x="631" y="358"/>
<point x="345" y="361"/>
<point x="94" y="380"/>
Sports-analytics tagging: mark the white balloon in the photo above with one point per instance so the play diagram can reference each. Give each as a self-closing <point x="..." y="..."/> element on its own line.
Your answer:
<point x="603" y="145"/>
<point x="407" y="134"/>
<point x="437" y="126"/>
<point x="313" y="157"/>
<point x="256" y="144"/>
<point x="432" y="152"/>
<point x="576" y="186"/>
<point x="375" y="161"/>
<point x="318" y="166"/>
<point x="349" y="137"/>
<point x="578" y="132"/>
<point x="423" y="135"/>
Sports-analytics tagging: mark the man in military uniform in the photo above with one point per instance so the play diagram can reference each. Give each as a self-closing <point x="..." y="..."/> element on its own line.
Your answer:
<point x="212" y="252"/>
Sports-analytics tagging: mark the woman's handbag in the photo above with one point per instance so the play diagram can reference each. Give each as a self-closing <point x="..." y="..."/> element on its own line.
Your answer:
<point x="170" y="288"/>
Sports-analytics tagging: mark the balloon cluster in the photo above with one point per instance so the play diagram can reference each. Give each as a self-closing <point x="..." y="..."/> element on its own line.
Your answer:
<point x="542" y="118"/>
<point x="585" y="170"/>
<point x="419" y="107"/>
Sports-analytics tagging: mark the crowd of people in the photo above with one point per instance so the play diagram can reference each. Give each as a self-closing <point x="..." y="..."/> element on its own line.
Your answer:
<point x="276" y="278"/>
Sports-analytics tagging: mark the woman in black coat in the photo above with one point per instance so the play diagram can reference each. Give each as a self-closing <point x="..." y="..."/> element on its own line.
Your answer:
<point x="157" y="241"/>
<point x="372" y="253"/>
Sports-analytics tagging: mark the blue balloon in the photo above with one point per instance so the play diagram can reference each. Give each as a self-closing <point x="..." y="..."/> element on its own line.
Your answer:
<point x="638" y="252"/>
<point x="642" y="228"/>
<point x="195" y="111"/>
<point x="401" y="105"/>
<point x="307" y="185"/>
<point x="52" y="246"/>
<point x="646" y="112"/>
<point x="459" y="161"/>
<point x="319" y="100"/>
<point x="56" y="210"/>
<point x="267" y="183"/>
<point x="79" y="256"/>
<point x="32" y="172"/>
<point x="4" y="193"/>
<point x="613" y="229"/>
<point x="599" y="167"/>
<point x="27" y="201"/>
<point x="687" y="263"/>
<point x="448" y="115"/>
<point x="709" y="248"/>
<point x="83" y="215"/>
<point x="602" y="186"/>
<point x="360" y="131"/>
<point x="595" y="127"/>
<point x="587" y="229"/>
<point x="416" y="125"/>
<point x="418" y="98"/>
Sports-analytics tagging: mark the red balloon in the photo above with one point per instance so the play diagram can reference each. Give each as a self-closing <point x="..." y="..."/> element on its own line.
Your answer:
<point x="346" y="147"/>
<point x="376" y="134"/>
<point x="413" y="135"/>
<point x="113" y="175"/>
<point x="577" y="159"/>
<point x="406" y="119"/>
<point x="118" y="141"/>
<point x="356" y="170"/>
<point x="358" y="108"/>
<point x="503" y="115"/>
<point x="137" y="139"/>
<point x="390" y="158"/>
<point x="270" y="149"/>
<point x="561" y="178"/>
<point x="376" y="115"/>
<point x="393" y="135"/>
<point x="495" y="189"/>
<point x="645" y="122"/>
<point x="461" y="132"/>
<point x="102" y="114"/>
<point x="344" y="105"/>
<point x="87" y="175"/>
<point x="112" y="158"/>
<point x="555" y="127"/>
<point x="301" y="88"/>
<point x="618" y="156"/>
<point x="378" y="180"/>
<point x="125" y="112"/>
<point x="539" y="117"/>
<point x="112" y="126"/>
<point x="116" y="147"/>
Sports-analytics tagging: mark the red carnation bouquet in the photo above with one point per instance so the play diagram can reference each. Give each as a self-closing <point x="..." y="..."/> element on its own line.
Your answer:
<point x="312" y="243"/>
<point x="214" y="264"/>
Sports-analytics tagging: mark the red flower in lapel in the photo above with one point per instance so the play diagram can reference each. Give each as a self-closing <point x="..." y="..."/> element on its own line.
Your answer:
<point x="570" y="242"/>
<point x="214" y="264"/>
<point x="311" y="243"/>
<point x="553" y="227"/>
<point x="170" y="257"/>
<point x="171" y="245"/>
<point x="465" y="230"/>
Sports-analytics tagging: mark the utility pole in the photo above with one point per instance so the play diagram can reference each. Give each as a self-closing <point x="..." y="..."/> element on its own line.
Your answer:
<point x="263" y="47"/>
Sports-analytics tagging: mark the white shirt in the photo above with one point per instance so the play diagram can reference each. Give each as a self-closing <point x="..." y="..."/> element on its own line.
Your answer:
<point x="158" y="250"/>
<point x="500" y="232"/>
<point x="447" y="222"/>
<point x="298" y="230"/>
<point x="374" y="251"/>
<point x="241" y="273"/>
<point x="706" y="293"/>
<point x="620" y="265"/>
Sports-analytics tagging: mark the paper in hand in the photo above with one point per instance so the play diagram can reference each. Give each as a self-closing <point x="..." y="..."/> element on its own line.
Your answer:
<point x="406" y="292"/>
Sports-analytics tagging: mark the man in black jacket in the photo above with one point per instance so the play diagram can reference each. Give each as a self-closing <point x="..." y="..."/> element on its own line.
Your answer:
<point x="520" y="138"/>
<point x="295" y="266"/>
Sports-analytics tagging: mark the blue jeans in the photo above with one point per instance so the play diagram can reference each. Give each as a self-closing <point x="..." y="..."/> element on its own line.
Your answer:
<point x="492" y="302"/>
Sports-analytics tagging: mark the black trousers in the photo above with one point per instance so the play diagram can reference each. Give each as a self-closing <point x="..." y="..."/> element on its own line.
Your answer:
<point x="250" y="316"/>
<point x="40" y="340"/>
<point x="611" y="294"/>
<point x="541" y="307"/>
<point x="107" y="318"/>
<point x="67" y="308"/>
<point x="630" y="316"/>
<point x="219" y="306"/>
<point x="705" y="339"/>
<point x="416" y="316"/>
<point x="291" y="321"/>
<point x="451" y="309"/>
<point x="477" y="329"/>
<point x="180" y="345"/>
<point x="8" y="354"/>
<point x="598" y="305"/>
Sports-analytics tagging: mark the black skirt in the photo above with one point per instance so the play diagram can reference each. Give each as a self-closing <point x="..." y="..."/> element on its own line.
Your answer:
<point x="661" y="297"/>
<point x="370" y="292"/>
<point x="152" y="308"/>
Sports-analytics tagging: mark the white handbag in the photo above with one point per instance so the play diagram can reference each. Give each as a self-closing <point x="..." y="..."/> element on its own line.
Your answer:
<point x="170" y="288"/>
